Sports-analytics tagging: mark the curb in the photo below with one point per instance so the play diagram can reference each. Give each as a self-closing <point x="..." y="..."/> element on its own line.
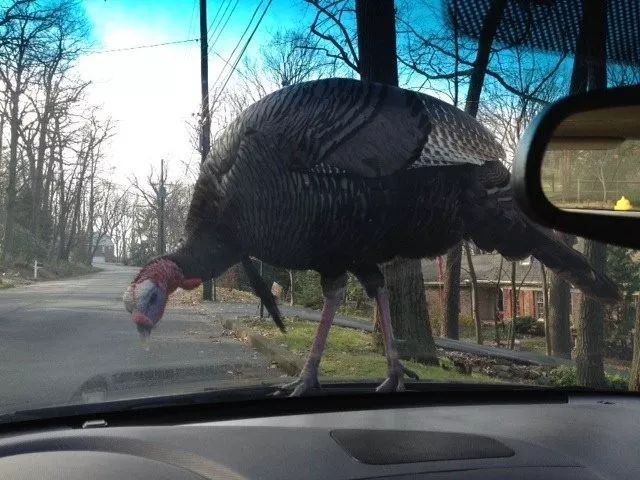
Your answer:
<point x="285" y="360"/>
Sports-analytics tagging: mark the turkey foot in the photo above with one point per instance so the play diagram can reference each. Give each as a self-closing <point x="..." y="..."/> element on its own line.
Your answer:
<point x="333" y="290"/>
<point x="306" y="383"/>
<point x="395" y="381"/>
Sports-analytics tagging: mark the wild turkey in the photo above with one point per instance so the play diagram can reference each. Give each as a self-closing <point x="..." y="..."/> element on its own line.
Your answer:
<point x="339" y="176"/>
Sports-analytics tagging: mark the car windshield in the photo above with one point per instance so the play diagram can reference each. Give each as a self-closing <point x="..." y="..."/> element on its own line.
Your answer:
<point x="211" y="196"/>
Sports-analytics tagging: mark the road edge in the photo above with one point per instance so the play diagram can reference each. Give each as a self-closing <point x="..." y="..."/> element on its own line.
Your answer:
<point x="281" y="357"/>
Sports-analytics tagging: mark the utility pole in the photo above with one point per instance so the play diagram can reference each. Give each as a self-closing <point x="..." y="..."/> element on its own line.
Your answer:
<point x="208" y="287"/>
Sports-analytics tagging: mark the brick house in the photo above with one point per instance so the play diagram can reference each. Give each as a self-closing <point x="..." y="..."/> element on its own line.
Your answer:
<point x="494" y="292"/>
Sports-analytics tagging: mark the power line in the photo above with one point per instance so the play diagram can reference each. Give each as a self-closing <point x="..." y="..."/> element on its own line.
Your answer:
<point x="227" y="63"/>
<point x="220" y="20"/>
<point x="138" y="47"/>
<point x="235" y="65"/>
<point x="216" y="15"/>
<point x="193" y="11"/>
<point x="255" y="12"/>
<point x="233" y="9"/>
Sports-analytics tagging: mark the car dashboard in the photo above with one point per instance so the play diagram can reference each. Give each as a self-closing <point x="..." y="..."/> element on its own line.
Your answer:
<point x="580" y="436"/>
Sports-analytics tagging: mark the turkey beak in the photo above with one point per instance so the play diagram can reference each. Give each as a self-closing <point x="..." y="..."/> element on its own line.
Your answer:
<point x="145" y="332"/>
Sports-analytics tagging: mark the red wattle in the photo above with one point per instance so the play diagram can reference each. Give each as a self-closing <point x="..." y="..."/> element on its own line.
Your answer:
<point x="141" y="319"/>
<point x="190" y="283"/>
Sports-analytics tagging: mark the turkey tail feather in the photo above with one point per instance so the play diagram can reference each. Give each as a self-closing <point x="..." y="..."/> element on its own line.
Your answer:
<point x="572" y="266"/>
<point x="262" y="291"/>
<point x="494" y="222"/>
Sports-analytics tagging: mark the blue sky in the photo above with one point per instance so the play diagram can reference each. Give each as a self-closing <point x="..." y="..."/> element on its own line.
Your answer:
<point x="152" y="93"/>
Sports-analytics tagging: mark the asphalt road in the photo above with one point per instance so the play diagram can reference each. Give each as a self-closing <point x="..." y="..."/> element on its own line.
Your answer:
<point x="71" y="340"/>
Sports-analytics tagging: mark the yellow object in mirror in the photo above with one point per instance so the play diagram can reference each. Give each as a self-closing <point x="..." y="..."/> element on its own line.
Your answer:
<point x="592" y="158"/>
<point x="623" y="204"/>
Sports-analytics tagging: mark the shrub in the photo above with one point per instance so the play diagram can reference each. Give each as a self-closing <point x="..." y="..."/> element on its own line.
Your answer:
<point x="565" y="376"/>
<point x="526" y="325"/>
<point x="466" y="320"/>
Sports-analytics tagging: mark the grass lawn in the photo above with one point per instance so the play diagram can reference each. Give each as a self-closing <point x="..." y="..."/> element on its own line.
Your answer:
<point x="527" y="343"/>
<point x="20" y="272"/>
<point x="351" y="354"/>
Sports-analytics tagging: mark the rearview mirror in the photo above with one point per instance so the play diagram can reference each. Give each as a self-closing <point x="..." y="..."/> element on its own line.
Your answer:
<point x="577" y="168"/>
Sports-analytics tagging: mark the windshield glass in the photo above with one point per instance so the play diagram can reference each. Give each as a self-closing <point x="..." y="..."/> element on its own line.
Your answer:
<point x="150" y="147"/>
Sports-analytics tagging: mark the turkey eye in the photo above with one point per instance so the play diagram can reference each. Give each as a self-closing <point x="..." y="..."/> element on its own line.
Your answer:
<point x="153" y="298"/>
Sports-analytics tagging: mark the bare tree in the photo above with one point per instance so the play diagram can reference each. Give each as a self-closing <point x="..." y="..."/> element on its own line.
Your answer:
<point x="634" y="374"/>
<point x="111" y="210"/>
<point x="290" y="57"/>
<point x="39" y="44"/>
<point x="545" y="297"/>
<point x="475" y="308"/>
<point x="498" y="295"/>
<point x="590" y="72"/>
<point x="17" y="50"/>
<point x="334" y="24"/>
<point x="514" y="307"/>
<point x="154" y="192"/>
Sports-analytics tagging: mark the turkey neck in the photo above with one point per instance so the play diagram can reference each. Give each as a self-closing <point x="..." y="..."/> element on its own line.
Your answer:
<point x="204" y="256"/>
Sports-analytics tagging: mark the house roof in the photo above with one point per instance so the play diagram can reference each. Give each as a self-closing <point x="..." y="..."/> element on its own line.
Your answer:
<point x="486" y="267"/>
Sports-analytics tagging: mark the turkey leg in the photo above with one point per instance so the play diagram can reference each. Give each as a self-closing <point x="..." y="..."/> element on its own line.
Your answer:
<point x="395" y="380"/>
<point x="333" y="292"/>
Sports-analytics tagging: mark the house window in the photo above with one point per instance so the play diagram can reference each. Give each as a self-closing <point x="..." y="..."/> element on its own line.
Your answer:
<point x="500" y="300"/>
<point x="539" y="299"/>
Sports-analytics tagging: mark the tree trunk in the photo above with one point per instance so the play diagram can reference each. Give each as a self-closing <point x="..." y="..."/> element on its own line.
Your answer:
<point x="91" y="248"/>
<point x="450" y="326"/>
<point x="634" y="375"/>
<point x="476" y="81"/>
<point x="47" y="195"/>
<point x="559" y="320"/>
<point x="590" y="327"/>
<point x="36" y="201"/>
<point x="495" y="315"/>
<point x="409" y="313"/>
<point x="10" y="206"/>
<point x="545" y="299"/>
<point x="291" y="299"/>
<point x="408" y="303"/>
<point x="559" y="291"/>
<point x="514" y="307"/>
<point x="475" y="309"/>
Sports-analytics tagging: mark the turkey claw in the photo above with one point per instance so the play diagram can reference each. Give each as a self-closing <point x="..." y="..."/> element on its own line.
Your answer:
<point x="395" y="381"/>
<point x="299" y="387"/>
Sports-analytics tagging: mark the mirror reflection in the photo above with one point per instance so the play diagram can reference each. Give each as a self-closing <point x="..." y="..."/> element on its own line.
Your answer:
<point x="592" y="162"/>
